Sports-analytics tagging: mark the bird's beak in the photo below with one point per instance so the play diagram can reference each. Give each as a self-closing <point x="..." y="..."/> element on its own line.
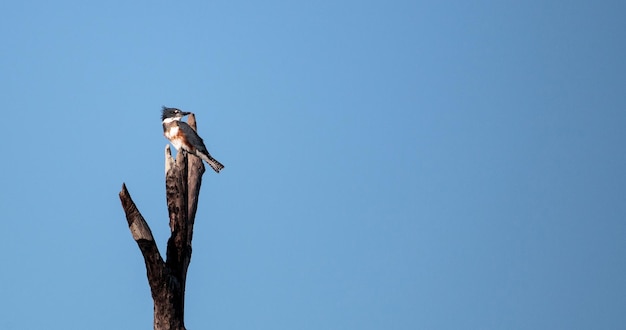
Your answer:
<point x="185" y="113"/>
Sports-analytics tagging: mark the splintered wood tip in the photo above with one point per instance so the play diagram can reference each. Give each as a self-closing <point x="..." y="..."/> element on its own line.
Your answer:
<point x="169" y="161"/>
<point x="191" y="120"/>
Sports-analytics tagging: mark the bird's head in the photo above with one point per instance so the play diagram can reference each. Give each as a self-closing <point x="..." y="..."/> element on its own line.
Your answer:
<point x="172" y="114"/>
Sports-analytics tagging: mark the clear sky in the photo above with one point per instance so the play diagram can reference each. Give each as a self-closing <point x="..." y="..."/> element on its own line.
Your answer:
<point x="389" y="164"/>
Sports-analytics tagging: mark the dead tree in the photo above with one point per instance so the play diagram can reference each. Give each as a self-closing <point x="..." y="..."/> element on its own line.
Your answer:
<point x="183" y="177"/>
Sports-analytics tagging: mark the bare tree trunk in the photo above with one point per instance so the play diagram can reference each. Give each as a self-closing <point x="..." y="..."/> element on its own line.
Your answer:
<point x="183" y="177"/>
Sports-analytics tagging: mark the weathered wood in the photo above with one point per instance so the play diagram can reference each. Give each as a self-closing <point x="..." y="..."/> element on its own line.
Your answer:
<point x="143" y="236"/>
<point x="183" y="178"/>
<point x="195" y="170"/>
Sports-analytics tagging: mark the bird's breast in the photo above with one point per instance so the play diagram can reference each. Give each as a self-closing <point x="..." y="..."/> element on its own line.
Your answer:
<point x="172" y="134"/>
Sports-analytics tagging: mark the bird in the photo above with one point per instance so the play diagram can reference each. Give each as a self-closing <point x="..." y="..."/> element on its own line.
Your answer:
<point x="182" y="136"/>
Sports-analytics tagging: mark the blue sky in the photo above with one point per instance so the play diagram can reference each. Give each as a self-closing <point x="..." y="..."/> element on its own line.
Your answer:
<point x="389" y="164"/>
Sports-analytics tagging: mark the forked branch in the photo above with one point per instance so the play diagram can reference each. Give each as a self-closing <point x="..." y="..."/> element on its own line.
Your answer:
<point x="183" y="178"/>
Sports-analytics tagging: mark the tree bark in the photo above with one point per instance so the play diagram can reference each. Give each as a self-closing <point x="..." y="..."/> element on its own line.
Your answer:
<point x="183" y="178"/>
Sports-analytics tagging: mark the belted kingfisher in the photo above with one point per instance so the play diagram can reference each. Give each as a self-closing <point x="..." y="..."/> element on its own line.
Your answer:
<point x="183" y="136"/>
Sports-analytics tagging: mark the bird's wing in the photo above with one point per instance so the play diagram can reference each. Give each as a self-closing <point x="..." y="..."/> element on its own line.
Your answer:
<point x="192" y="137"/>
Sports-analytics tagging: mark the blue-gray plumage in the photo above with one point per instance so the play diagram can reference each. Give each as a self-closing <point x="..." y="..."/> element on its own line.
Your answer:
<point x="184" y="137"/>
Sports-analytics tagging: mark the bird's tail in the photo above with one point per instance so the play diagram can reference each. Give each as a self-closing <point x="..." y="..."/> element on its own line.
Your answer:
<point x="215" y="165"/>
